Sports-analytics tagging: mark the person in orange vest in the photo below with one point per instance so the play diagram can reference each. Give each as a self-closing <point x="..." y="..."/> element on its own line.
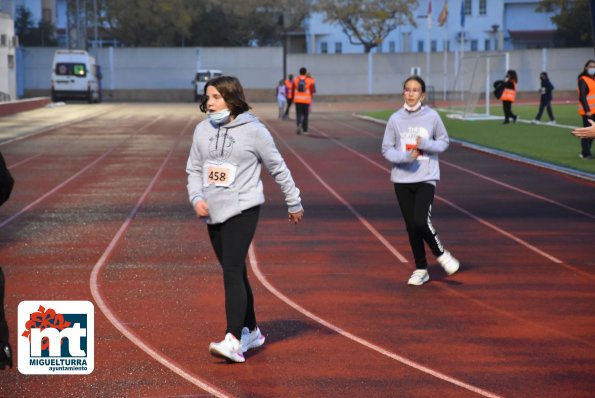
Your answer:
<point x="288" y="94"/>
<point x="509" y="95"/>
<point x="586" y="104"/>
<point x="303" y="89"/>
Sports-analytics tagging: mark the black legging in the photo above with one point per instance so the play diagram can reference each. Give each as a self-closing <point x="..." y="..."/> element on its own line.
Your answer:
<point x="3" y="324"/>
<point x="507" y="106"/>
<point x="586" y="142"/>
<point x="415" y="201"/>
<point x="545" y="103"/>
<point x="231" y="241"/>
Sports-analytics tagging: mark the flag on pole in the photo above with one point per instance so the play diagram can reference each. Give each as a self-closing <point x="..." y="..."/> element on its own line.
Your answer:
<point x="462" y="13"/>
<point x="430" y="14"/>
<point x="443" y="14"/>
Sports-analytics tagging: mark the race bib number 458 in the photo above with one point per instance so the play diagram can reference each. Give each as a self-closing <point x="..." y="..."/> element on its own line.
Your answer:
<point x="221" y="175"/>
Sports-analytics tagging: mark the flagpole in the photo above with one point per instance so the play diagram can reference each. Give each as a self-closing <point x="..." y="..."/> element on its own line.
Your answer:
<point x="429" y="17"/>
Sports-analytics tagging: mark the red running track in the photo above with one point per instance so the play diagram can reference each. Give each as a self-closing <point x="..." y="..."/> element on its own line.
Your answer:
<point x="100" y="213"/>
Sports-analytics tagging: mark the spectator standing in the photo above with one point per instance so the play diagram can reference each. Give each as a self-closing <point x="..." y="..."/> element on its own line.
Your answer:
<point x="586" y="104"/>
<point x="288" y="94"/>
<point x="304" y="88"/>
<point x="509" y="95"/>
<point x="545" y="101"/>
<point x="281" y="98"/>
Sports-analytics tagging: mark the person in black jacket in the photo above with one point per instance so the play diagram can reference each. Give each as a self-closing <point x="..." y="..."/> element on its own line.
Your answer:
<point x="545" y="102"/>
<point x="6" y="184"/>
<point x="586" y="102"/>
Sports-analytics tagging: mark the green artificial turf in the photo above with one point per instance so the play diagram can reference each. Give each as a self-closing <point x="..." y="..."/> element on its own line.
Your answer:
<point x="550" y="144"/>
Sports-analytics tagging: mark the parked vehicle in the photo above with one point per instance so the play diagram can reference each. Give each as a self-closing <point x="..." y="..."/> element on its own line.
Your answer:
<point x="201" y="78"/>
<point x="75" y="75"/>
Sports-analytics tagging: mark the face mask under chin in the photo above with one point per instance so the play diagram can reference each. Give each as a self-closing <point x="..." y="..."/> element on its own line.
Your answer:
<point x="219" y="117"/>
<point x="412" y="108"/>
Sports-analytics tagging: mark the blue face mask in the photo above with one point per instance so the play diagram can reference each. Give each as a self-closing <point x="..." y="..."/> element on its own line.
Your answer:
<point x="219" y="117"/>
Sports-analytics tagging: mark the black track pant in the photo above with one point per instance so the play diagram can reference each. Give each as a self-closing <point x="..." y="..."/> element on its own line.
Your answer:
<point x="231" y="241"/>
<point x="586" y="142"/>
<point x="3" y="325"/>
<point x="302" y="113"/>
<point x="415" y="201"/>
<point x="507" y="106"/>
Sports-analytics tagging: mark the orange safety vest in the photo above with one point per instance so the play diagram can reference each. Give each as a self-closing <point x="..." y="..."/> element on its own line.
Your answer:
<point x="288" y="89"/>
<point x="590" y="96"/>
<point x="306" y="96"/>
<point x="509" y="94"/>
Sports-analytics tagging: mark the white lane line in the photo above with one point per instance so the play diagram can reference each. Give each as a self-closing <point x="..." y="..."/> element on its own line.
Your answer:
<point x="361" y="219"/>
<point x="113" y="319"/>
<point x="477" y="218"/>
<point x="359" y="340"/>
<point x="492" y="180"/>
<point x="71" y="178"/>
<point x="26" y="160"/>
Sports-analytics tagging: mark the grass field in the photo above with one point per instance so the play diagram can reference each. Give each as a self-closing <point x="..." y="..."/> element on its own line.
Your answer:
<point x="546" y="143"/>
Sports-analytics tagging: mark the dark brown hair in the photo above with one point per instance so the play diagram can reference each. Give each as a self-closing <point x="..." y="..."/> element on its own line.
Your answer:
<point x="417" y="79"/>
<point x="232" y="92"/>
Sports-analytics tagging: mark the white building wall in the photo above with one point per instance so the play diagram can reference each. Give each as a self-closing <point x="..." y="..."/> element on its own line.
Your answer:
<point x="7" y="59"/>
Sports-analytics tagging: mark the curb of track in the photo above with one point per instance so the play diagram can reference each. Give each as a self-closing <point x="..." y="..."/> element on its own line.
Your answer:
<point x="560" y="169"/>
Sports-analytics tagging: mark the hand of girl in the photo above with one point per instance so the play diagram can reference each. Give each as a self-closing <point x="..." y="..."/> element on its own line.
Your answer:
<point x="296" y="217"/>
<point x="201" y="208"/>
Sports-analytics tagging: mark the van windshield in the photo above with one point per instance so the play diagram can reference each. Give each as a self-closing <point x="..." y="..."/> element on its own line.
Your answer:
<point x="203" y="77"/>
<point x="71" y="69"/>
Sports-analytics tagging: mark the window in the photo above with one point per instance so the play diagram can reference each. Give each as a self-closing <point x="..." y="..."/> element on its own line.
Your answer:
<point x="468" y="7"/>
<point x="71" y="69"/>
<point x="3" y="40"/>
<point x="433" y="46"/>
<point x="474" y="45"/>
<point x="482" y="7"/>
<point x="420" y="46"/>
<point x="391" y="46"/>
<point x="487" y="45"/>
<point x="323" y="47"/>
<point x="10" y="61"/>
<point x="338" y="47"/>
<point x="407" y="41"/>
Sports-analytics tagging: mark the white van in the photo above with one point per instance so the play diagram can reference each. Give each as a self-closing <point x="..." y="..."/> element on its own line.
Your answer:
<point x="201" y="78"/>
<point x="75" y="75"/>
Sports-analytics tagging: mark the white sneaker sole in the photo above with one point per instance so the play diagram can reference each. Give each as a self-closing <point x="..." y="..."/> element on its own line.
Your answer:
<point x="216" y="352"/>
<point x="254" y="344"/>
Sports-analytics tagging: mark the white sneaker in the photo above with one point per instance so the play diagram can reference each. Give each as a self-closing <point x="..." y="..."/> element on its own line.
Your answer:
<point x="229" y="348"/>
<point x="551" y="122"/>
<point x="251" y="339"/>
<point x="419" y="277"/>
<point x="535" y="121"/>
<point x="448" y="262"/>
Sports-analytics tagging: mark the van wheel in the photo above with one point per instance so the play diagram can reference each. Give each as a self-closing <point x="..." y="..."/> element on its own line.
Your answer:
<point x="89" y="96"/>
<point x="53" y="96"/>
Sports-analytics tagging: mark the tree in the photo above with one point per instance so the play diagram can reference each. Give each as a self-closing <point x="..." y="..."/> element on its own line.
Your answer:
<point x="245" y="23"/>
<point x="368" y="22"/>
<point x="573" y="22"/>
<point x="29" y="35"/>
<point x="147" y="22"/>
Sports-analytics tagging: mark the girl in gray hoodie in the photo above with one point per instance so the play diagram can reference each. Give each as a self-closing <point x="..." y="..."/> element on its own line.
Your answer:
<point x="225" y="189"/>
<point x="413" y="138"/>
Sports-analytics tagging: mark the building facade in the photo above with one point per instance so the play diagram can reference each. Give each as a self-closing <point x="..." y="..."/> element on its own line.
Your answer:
<point x="454" y="25"/>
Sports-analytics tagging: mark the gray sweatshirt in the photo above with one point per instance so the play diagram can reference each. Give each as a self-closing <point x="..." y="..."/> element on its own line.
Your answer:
<point x="224" y="168"/>
<point x="400" y="138"/>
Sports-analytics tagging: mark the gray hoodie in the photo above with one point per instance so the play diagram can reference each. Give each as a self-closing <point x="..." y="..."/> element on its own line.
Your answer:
<point x="224" y="167"/>
<point x="400" y="137"/>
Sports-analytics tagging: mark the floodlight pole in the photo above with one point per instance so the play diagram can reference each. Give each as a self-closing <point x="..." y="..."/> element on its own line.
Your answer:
<point x="592" y="7"/>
